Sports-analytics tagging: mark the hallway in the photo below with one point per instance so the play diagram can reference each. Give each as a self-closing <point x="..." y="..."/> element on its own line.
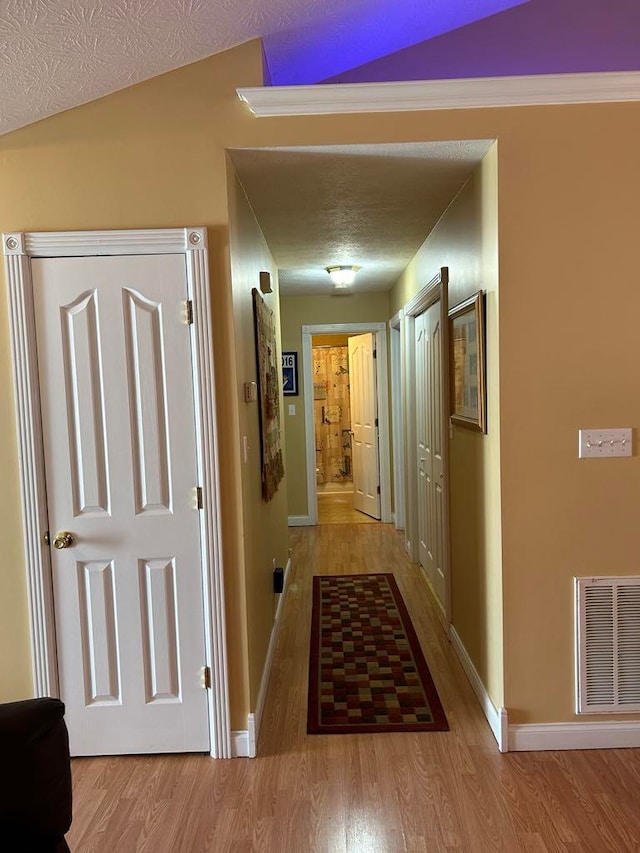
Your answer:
<point x="380" y="793"/>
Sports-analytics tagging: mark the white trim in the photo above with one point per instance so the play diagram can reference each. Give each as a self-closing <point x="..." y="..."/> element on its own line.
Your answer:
<point x="496" y="717"/>
<point x="397" y="425"/>
<point x="380" y="330"/>
<point x="407" y="343"/>
<point x="384" y="445"/>
<point x="605" y="735"/>
<point x="195" y="241"/>
<point x="465" y="93"/>
<point x="61" y="244"/>
<point x="19" y="249"/>
<point x="255" y="719"/>
<point x="240" y="744"/>
<point x="309" y="428"/>
<point x="31" y="460"/>
<point x="300" y="521"/>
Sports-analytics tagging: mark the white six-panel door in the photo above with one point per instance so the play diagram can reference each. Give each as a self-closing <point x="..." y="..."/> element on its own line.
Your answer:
<point x="430" y="450"/>
<point x="423" y="439"/>
<point x="120" y="460"/>
<point x="364" y="426"/>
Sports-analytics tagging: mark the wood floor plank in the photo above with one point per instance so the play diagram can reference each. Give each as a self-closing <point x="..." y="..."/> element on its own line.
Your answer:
<point x="430" y="792"/>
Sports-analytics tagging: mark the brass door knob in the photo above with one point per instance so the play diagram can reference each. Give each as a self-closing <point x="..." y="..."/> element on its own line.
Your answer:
<point x="63" y="539"/>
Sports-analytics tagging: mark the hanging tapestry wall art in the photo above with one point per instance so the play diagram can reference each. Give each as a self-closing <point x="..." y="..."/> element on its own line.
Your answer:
<point x="269" y="393"/>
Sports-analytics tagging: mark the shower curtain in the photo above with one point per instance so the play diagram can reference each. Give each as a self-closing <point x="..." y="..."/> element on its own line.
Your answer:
<point x="332" y="416"/>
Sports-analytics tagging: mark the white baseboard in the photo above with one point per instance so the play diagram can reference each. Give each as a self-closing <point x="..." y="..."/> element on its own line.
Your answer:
<point x="254" y="720"/>
<point x="240" y="744"/>
<point x="299" y="521"/>
<point x="497" y="718"/>
<point x="604" y="735"/>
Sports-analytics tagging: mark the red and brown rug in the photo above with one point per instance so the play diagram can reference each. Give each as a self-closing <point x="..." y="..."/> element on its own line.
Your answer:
<point x="367" y="672"/>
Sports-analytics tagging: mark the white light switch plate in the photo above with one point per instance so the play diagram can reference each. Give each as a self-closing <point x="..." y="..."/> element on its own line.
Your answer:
<point x="604" y="442"/>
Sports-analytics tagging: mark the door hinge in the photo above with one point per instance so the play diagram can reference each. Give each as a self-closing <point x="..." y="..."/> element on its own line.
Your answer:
<point x="376" y="422"/>
<point x="47" y="538"/>
<point x="205" y="677"/>
<point x="199" y="497"/>
<point x="189" y="312"/>
<point x="378" y="489"/>
<point x="375" y="353"/>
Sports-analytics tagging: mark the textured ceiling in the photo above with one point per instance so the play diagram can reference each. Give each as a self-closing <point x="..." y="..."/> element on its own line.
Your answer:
<point x="56" y="54"/>
<point x="369" y="205"/>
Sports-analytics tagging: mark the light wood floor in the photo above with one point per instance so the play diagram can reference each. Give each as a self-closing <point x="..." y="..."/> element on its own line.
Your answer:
<point x="386" y="793"/>
<point x="337" y="488"/>
<point x="334" y="508"/>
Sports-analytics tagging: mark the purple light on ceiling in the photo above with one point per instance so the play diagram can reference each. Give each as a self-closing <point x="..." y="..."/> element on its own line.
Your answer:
<point x="541" y="37"/>
<point x="362" y="31"/>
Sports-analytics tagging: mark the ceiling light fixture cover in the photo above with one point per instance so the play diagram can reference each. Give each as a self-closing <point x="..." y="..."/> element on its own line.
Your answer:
<point x="342" y="276"/>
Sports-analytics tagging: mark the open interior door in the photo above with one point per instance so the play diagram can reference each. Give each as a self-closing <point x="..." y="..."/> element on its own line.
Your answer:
<point x="364" y="424"/>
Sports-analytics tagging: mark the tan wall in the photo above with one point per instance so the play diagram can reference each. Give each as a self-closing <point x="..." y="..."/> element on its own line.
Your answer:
<point x="298" y="311"/>
<point x="154" y="156"/>
<point x="330" y="340"/>
<point x="265" y="524"/>
<point x="149" y="156"/>
<point x="466" y="241"/>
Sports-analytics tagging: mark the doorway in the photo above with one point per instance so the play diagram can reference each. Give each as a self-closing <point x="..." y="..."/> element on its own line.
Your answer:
<point x="309" y="335"/>
<point x="157" y="587"/>
<point x="345" y="425"/>
<point x="332" y="415"/>
<point x="426" y="390"/>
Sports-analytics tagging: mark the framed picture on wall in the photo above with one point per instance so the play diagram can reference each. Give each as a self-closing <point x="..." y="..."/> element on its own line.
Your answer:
<point x="290" y="374"/>
<point x="467" y="363"/>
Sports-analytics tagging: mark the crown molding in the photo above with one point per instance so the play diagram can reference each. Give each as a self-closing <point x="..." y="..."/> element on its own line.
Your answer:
<point x="471" y="93"/>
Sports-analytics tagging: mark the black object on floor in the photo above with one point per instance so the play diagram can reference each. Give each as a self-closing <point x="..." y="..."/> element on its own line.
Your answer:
<point x="35" y="777"/>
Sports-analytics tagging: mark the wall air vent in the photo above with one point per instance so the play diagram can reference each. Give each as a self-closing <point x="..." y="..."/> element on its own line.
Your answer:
<point x="607" y="645"/>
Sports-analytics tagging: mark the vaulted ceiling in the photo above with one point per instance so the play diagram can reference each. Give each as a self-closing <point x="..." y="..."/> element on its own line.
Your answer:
<point x="57" y="54"/>
<point x="365" y="205"/>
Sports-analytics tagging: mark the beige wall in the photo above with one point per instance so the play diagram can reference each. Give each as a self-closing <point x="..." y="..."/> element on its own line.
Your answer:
<point x="154" y="156"/>
<point x="149" y="156"/>
<point x="296" y="312"/>
<point x="265" y="533"/>
<point x="466" y="241"/>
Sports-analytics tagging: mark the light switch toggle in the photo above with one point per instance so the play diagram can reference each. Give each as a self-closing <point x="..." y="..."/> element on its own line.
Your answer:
<point x="604" y="442"/>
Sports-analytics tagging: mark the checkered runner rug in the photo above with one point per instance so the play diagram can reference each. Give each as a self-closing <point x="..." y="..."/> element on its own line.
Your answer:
<point x="367" y="672"/>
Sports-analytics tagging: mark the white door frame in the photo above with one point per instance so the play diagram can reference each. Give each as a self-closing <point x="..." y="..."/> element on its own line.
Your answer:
<point x="19" y="248"/>
<point x="380" y="330"/>
<point x="397" y="425"/>
<point x="436" y="290"/>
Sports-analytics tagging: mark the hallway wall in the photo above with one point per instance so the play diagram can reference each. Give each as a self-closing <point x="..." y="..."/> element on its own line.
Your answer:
<point x="269" y="540"/>
<point x="466" y="240"/>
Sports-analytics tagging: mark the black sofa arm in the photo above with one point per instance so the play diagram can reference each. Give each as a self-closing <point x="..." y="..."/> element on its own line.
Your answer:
<point x="35" y="777"/>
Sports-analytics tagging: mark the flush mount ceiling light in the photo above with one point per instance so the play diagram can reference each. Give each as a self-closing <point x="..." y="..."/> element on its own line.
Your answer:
<point x="342" y="276"/>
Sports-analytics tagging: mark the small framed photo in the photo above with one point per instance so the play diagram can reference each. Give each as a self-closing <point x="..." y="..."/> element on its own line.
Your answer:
<point x="467" y="363"/>
<point x="290" y="374"/>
